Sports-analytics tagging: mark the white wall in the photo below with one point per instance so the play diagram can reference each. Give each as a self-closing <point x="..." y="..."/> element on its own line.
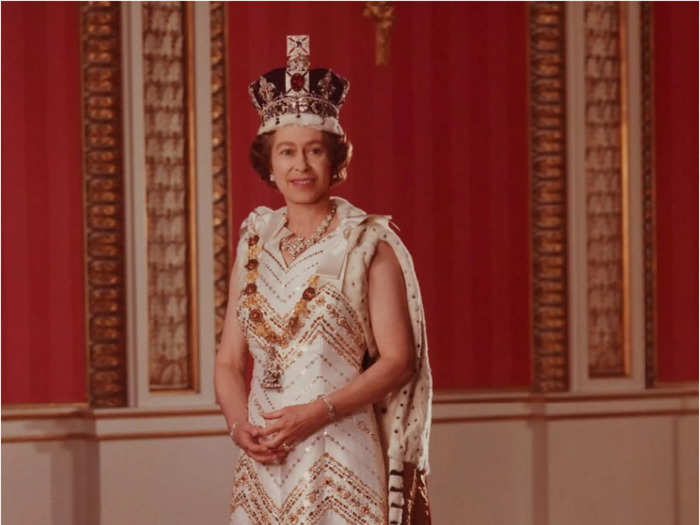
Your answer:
<point x="508" y="459"/>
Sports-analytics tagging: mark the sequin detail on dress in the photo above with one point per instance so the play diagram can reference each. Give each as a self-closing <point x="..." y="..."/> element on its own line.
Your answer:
<point x="336" y="475"/>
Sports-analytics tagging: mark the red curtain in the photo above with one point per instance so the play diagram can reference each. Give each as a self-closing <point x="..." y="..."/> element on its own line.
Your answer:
<point x="43" y="344"/>
<point x="676" y="136"/>
<point x="441" y="144"/>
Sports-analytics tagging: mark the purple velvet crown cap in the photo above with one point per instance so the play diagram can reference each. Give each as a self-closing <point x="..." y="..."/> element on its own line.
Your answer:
<point x="299" y="95"/>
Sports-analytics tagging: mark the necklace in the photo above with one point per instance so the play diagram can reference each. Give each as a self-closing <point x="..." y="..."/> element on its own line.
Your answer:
<point x="274" y="340"/>
<point x="295" y="244"/>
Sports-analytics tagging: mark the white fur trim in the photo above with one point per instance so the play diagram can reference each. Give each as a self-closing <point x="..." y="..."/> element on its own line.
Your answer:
<point x="310" y="120"/>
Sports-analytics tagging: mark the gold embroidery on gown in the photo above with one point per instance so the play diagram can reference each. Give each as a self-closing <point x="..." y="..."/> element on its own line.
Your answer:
<point x="336" y="475"/>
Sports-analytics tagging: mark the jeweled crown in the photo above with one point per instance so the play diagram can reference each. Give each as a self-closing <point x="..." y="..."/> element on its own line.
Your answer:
<point x="297" y="94"/>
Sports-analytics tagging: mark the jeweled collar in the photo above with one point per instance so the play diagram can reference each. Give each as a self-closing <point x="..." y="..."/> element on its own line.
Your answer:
<point x="348" y="214"/>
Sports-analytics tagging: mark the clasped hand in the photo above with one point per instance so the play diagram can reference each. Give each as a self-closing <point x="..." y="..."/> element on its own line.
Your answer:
<point x="289" y="426"/>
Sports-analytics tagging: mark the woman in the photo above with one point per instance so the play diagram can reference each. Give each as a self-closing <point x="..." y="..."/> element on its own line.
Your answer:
<point x="325" y="299"/>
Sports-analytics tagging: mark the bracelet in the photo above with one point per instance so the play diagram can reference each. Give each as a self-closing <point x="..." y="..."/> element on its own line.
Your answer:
<point x="331" y="408"/>
<point x="233" y="428"/>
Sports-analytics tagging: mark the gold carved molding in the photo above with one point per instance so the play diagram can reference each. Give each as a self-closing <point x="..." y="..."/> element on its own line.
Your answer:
<point x="103" y="203"/>
<point x="529" y="407"/>
<point x="528" y="417"/>
<point x="223" y="244"/>
<point x="171" y="196"/>
<point x="383" y="15"/>
<point x="549" y="293"/>
<point x="606" y="164"/>
<point x="648" y="193"/>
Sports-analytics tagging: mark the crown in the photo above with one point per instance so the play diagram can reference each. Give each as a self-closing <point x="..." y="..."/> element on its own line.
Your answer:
<point x="297" y="94"/>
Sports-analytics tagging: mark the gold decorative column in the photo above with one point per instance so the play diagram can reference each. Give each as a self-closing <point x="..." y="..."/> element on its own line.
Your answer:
<point x="607" y="202"/>
<point x="548" y="197"/>
<point x="103" y="203"/>
<point x="171" y="244"/>
<point x="223" y="246"/>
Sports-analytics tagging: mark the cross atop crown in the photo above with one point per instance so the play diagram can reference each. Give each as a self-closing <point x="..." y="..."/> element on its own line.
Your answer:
<point x="298" y="62"/>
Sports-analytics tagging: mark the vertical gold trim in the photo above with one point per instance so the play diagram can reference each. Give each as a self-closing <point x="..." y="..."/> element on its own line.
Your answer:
<point x="649" y="196"/>
<point x="192" y="199"/>
<point x="227" y="122"/>
<point x="83" y="197"/>
<point x="103" y="203"/>
<point x="186" y="155"/>
<point x="548" y="205"/>
<point x="221" y="151"/>
<point x="228" y="171"/>
<point x="607" y="189"/>
<point x="624" y="168"/>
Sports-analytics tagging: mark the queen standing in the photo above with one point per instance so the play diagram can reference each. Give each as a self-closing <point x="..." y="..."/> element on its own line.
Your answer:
<point x="325" y="298"/>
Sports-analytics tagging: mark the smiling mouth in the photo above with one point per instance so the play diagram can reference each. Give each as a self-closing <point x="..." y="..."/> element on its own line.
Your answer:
<point x="303" y="182"/>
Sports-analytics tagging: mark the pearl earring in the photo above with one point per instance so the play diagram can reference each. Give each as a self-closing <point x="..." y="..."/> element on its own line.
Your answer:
<point x="272" y="177"/>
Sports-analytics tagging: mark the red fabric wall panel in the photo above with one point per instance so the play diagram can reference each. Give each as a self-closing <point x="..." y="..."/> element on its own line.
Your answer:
<point x="43" y="345"/>
<point x="676" y="136"/>
<point x="440" y="140"/>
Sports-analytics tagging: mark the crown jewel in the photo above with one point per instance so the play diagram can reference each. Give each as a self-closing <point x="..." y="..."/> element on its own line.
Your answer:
<point x="297" y="94"/>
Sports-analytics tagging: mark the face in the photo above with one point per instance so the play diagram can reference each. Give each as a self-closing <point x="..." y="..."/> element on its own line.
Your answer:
<point x="301" y="164"/>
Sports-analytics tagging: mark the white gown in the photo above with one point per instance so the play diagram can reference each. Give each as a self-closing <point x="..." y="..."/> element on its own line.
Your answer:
<point x="338" y="474"/>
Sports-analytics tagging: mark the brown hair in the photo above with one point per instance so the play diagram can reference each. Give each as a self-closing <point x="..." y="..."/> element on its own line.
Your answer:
<point x="339" y="150"/>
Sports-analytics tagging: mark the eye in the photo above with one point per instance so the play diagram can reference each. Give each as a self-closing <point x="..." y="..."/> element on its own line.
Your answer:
<point x="317" y="150"/>
<point x="286" y="151"/>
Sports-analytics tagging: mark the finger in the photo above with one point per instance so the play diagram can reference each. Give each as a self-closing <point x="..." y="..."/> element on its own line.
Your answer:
<point x="272" y="415"/>
<point x="259" y="448"/>
<point x="251" y="429"/>
<point x="281" y="452"/>
<point x="281" y="449"/>
<point x="248" y="430"/>
<point x="269" y="458"/>
<point x="250" y="444"/>
<point x="263" y="458"/>
<point x="274" y="427"/>
<point x="259" y="451"/>
<point x="282" y="455"/>
<point x="276" y="442"/>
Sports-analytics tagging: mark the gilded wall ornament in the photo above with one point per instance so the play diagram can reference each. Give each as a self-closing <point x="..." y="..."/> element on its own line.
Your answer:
<point x="383" y="15"/>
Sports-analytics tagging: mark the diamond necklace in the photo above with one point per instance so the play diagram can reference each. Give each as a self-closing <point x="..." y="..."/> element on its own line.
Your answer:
<point x="296" y="244"/>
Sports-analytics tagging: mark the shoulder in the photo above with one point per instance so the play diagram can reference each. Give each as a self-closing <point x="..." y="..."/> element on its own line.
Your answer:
<point x="256" y="220"/>
<point x="254" y="224"/>
<point x="384" y="265"/>
<point x="378" y="238"/>
<point x="377" y="251"/>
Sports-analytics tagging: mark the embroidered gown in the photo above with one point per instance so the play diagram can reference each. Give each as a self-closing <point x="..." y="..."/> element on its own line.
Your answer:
<point x="338" y="474"/>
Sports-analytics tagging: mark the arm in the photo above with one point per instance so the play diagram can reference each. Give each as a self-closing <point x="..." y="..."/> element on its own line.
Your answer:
<point x="229" y="379"/>
<point x="391" y="325"/>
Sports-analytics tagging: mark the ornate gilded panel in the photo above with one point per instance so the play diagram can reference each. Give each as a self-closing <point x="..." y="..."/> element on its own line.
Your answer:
<point x="103" y="199"/>
<point x="383" y="15"/>
<point x="606" y="182"/>
<point x="548" y="197"/>
<point x="223" y="255"/>
<point x="171" y="242"/>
